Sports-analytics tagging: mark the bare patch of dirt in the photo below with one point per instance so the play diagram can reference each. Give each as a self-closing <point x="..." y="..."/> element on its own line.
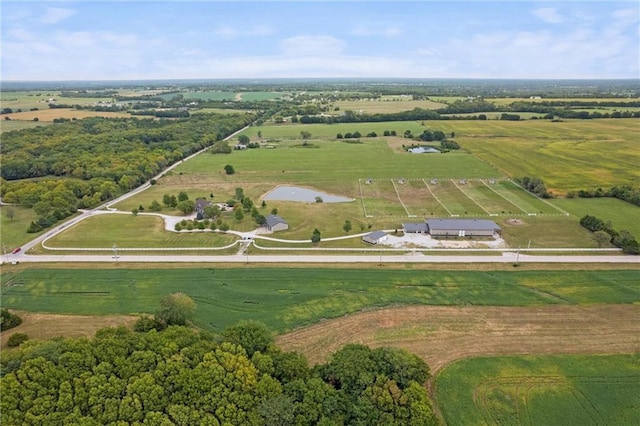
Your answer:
<point x="515" y="222"/>
<point x="48" y="326"/>
<point x="441" y="334"/>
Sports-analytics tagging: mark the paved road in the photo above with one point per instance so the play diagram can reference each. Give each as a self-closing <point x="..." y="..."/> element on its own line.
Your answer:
<point x="507" y="257"/>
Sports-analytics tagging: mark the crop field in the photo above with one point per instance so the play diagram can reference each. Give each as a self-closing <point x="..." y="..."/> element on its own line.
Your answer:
<point x="534" y="390"/>
<point x="289" y="298"/>
<point x="567" y="156"/>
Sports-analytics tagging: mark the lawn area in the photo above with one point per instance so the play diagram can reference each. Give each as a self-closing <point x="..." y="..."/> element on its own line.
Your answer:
<point x="541" y="390"/>
<point x="621" y="214"/>
<point x="129" y="231"/>
<point x="13" y="231"/>
<point x="289" y="298"/>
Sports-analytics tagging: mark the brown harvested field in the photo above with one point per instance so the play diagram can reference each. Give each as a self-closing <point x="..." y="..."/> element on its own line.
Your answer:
<point x="441" y="335"/>
<point x="53" y="113"/>
<point x="48" y="326"/>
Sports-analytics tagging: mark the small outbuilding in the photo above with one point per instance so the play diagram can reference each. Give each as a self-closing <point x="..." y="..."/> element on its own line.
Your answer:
<point x="375" y="237"/>
<point x="276" y="223"/>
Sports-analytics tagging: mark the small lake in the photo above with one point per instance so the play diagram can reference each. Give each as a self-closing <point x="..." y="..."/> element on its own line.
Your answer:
<point x="294" y="193"/>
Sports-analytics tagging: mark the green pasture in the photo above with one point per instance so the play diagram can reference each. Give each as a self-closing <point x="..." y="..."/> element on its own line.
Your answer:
<point x="329" y="131"/>
<point x="621" y="214"/>
<point x="26" y="100"/>
<point x="260" y="96"/>
<point x="288" y="298"/>
<point x="129" y="231"/>
<point x="211" y="95"/>
<point x="541" y="390"/>
<point x="325" y="161"/>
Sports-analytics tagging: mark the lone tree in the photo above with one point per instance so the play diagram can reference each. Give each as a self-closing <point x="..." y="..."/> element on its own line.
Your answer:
<point x="305" y="134"/>
<point x="229" y="169"/>
<point x="243" y="139"/>
<point x="315" y="237"/>
<point x="175" y="309"/>
<point x="347" y="226"/>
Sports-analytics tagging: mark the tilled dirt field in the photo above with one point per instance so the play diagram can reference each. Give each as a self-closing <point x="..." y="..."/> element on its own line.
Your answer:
<point x="441" y="334"/>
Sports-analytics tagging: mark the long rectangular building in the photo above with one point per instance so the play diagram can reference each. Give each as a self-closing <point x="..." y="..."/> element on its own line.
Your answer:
<point x="462" y="228"/>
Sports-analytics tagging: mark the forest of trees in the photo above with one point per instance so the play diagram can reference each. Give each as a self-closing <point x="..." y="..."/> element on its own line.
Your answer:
<point x="79" y="164"/>
<point x="180" y="376"/>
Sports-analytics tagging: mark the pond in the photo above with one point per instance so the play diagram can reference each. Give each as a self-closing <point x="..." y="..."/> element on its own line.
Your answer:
<point x="294" y="193"/>
<point x="422" y="150"/>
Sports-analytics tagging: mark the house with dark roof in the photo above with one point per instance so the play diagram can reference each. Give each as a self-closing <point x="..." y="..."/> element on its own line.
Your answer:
<point x="462" y="228"/>
<point x="276" y="223"/>
<point x="375" y="237"/>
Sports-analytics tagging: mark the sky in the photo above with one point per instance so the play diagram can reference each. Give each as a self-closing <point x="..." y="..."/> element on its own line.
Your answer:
<point x="140" y="40"/>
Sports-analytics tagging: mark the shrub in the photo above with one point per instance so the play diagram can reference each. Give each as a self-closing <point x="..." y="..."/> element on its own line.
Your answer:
<point x="9" y="320"/>
<point x="17" y="339"/>
<point x="146" y="323"/>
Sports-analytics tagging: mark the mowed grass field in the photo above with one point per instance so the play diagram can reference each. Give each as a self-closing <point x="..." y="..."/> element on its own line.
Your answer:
<point x="129" y="231"/>
<point x="541" y="390"/>
<point x="289" y="298"/>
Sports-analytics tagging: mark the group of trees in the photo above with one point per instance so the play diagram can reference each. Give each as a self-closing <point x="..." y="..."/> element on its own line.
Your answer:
<point x="181" y="376"/>
<point x="535" y="186"/>
<point x="96" y="159"/>
<point x="604" y="233"/>
<point x="8" y="319"/>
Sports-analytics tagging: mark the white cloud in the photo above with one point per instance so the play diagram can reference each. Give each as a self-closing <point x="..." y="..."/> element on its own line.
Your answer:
<point x="53" y="15"/>
<point x="548" y="14"/>
<point x="312" y="45"/>
<point x="390" y="31"/>
<point x="228" y="31"/>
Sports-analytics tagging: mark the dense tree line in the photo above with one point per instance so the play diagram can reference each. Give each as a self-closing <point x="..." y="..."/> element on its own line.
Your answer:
<point x="96" y="159"/>
<point x="181" y="377"/>
<point x="622" y="239"/>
